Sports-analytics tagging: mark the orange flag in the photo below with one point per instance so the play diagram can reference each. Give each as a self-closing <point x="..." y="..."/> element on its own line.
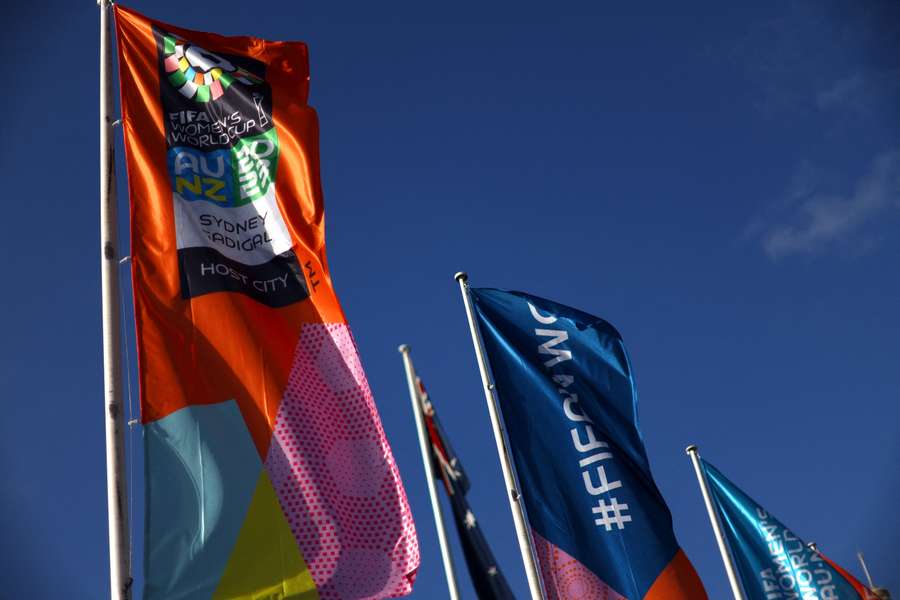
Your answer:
<point x="267" y="469"/>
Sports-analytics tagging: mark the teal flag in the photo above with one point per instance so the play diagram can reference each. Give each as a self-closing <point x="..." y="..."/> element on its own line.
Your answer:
<point x="772" y="562"/>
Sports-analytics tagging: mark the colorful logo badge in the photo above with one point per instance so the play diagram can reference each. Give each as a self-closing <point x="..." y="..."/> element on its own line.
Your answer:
<point x="199" y="74"/>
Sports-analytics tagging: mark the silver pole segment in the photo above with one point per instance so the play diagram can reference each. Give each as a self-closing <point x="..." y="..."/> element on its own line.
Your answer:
<point x="862" y="561"/>
<point x="518" y="513"/>
<point x="427" y="462"/>
<point x="116" y="489"/>
<point x="716" y="524"/>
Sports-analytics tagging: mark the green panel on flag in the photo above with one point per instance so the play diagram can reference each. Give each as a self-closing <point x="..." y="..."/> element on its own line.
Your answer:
<point x="226" y="79"/>
<point x="177" y="79"/>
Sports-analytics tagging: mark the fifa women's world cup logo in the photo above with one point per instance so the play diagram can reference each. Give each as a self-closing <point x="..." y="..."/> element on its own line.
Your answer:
<point x="199" y="74"/>
<point x="223" y="161"/>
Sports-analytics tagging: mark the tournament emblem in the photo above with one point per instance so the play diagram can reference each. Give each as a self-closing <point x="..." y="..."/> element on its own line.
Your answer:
<point x="199" y="74"/>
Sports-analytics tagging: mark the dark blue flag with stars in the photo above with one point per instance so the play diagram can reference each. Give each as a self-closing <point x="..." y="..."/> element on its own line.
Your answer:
<point x="487" y="579"/>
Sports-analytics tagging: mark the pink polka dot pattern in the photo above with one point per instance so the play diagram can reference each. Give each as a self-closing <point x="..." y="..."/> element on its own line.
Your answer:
<point x="565" y="578"/>
<point x="335" y="476"/>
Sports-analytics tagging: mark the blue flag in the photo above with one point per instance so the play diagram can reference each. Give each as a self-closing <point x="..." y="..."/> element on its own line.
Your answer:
<point x="601" y="529"/>
<point x="771" y="561"/>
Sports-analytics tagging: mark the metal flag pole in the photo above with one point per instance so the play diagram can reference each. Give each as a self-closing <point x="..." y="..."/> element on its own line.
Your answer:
<point x="515" y="504"/>
<point x="116" y="490"/>
<point x="427" y="462"/>
<point x="716" y="524"/>
<point x="862" y="561"/>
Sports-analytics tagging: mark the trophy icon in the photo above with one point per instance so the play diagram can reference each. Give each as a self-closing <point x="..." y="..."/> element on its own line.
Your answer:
<point x="263" y="119"/>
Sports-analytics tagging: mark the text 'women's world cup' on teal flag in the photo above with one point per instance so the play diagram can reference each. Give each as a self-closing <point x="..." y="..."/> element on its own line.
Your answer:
<point x="771" y="561"/>
<point x="600" y="527"/>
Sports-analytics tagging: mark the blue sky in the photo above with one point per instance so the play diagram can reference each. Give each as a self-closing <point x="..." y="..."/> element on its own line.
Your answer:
<point x="721" y="182"/>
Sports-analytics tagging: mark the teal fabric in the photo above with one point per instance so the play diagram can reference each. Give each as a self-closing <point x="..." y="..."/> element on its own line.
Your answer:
<point x="772" y="562"/>
<point x="201" y="470"/>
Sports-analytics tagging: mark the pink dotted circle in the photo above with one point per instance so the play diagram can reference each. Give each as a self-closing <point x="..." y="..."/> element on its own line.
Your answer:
<point x="335" y="476"/>
<point x="565" y="578"/>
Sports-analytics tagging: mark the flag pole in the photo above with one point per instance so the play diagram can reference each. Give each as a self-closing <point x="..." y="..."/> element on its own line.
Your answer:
<point x="427" y="462"/>
<point x="116" y="490"/>
<point x="515" y="497"/>
<point x="862" y="561"/>
<point x="716" y="523"/>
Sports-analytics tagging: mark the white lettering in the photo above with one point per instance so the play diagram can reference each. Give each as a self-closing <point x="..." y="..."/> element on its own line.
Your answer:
<point x="539" y="317"/>
<point x="559" y="336"/>
<point x="605" y="484"/>
<point x="592" y="443"/>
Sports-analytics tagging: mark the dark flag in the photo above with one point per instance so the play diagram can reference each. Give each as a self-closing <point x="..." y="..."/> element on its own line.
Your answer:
<point x="487" y="578"/>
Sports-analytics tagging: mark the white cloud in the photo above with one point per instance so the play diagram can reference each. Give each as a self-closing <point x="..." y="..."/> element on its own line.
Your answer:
<point x="816" y="220"/>
<point x="860" y="92"/>
<point x="847" y="92"/>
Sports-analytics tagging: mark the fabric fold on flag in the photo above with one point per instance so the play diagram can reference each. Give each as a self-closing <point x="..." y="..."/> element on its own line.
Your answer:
<point x="772" y="562"/>
<point x="268" y="474"/>
<point x="600" y="527"/>
<point x="487" y="578"/>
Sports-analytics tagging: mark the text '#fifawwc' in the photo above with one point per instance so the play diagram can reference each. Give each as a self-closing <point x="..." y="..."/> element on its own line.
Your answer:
<point x="608" y="511"/>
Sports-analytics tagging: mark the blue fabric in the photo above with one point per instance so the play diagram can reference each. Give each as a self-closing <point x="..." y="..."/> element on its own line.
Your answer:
<point x="563" y="378"/>
<point x="487" y="578"/>
<point x="201" y="471"/>
<point x="771" y="561"/>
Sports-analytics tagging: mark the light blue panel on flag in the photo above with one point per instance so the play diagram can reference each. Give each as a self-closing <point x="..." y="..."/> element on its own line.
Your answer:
<point x="201" y="471"/>
<point x="569" y="404"/>
<point x="772" y="562"/>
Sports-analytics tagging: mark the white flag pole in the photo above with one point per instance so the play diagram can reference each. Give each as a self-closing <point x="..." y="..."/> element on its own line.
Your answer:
<point x="427" y="462"/>
<point x="862" y="561"/>
<point x="515" y="504"/>
<point x="116" y="490"/>
<point x="716" y="524"/>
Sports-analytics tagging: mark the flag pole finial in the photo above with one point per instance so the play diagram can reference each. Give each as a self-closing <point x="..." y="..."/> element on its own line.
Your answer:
<point x="690" y="449"/>
<point x="403" y="348"/>
<point x="461" y="276"/>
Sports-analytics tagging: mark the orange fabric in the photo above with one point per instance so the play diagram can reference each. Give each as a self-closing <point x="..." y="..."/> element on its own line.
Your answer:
<point x="864" y="592"/>
<point x="217" y="346"/>
<point x="678" y="581"/>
